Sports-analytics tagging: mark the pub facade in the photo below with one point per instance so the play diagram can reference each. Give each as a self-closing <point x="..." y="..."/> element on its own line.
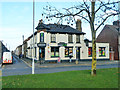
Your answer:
<point x="53" y="41"/>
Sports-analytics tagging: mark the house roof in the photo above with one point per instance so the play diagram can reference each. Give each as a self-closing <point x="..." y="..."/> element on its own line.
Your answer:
<point x="110" y="34"/>
<point x="111" y="30"/>
<point x="42" y="26"/>
<point x="58" y="28"/>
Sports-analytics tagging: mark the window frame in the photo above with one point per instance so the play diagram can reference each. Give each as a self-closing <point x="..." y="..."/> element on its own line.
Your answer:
<point x="41" y="37"/>
<point x="102" y="51"/>
<point x="54" y="52"/>
<point x="91" y="52"/>
<point x="76" y="38"/>
<point x="71" y="37"/>
<point x="68" y="51"/>
<point x="35" y="52"/>
<point x="53" y="37"/>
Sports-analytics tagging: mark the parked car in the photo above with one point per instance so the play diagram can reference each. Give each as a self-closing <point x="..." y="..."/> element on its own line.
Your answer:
<point x="7" y="57"/>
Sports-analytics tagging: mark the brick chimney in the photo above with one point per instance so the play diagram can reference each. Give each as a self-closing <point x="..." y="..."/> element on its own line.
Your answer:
<point x="117" y="23"/>
<point x="78" y="25"/>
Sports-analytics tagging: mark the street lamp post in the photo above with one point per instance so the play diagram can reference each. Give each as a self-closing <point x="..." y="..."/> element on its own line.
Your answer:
<point x="33" y="67"/>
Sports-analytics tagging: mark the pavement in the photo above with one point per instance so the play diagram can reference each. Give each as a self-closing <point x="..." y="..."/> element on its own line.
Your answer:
<point x="65" y="64"/>
<point x="0" y="63"/>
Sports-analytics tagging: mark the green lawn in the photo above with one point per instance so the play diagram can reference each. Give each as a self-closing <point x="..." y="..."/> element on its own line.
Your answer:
<point x="105" y="78"/>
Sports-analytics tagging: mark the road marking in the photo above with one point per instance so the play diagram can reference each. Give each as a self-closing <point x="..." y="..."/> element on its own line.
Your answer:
<point x="10" y="68"/>
<point x="26" y="67"/>
<point x="26" y="63"/>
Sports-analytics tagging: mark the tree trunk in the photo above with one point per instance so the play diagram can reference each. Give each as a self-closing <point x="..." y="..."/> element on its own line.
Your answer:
<point x="93" y="72"/>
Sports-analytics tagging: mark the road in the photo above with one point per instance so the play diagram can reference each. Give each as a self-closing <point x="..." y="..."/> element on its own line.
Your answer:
<point x="20" y="68"/>
<point x="17" y="68"/>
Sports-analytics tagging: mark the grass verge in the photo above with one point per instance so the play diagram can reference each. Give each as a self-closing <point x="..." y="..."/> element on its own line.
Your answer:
<point x="105" y="78"/>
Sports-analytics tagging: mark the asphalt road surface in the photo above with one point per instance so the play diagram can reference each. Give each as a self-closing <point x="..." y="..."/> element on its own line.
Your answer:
<point x="20" y="68"/>
<point x="17" y="68"/>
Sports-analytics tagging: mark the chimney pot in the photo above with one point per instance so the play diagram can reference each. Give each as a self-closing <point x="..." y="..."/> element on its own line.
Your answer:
<point x="41" y="21"/>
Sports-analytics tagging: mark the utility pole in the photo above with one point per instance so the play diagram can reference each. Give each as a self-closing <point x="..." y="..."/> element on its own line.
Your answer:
<point x="33" y="67"/>
<point x="119" y="30"/>
<point x="23" y="45"/>
<point x="23" y="37"/>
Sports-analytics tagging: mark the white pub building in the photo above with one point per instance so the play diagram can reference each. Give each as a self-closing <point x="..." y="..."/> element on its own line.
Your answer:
<point x="53" y="41"/>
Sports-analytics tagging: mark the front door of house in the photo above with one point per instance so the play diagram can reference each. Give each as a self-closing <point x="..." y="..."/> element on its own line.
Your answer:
<point x="41" y="53"/>
<point x="78" y="53"/>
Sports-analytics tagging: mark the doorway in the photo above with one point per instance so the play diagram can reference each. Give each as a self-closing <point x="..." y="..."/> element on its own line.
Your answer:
<point x="78" y="53"/>
<point x="42" y="53"/>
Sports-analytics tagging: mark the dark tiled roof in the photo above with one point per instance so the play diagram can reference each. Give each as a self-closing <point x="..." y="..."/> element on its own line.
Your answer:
<point x="57" y="28"/>
<point x="42" y="26"/>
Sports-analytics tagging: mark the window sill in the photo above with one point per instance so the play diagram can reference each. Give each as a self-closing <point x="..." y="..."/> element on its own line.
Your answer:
<point x="54" y="56"/>
<point x="53" y="42"/>
<point x="67" y="56"/>
<point x="70" y="42"/>
<point x="77" y="42"/>
<point x="102" y="56"/>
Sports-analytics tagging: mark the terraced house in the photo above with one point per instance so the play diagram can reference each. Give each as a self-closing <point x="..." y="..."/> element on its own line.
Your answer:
<point x="53" y="41"/>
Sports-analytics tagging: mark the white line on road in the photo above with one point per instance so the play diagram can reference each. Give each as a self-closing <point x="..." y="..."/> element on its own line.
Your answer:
<point x="14" y="68"/>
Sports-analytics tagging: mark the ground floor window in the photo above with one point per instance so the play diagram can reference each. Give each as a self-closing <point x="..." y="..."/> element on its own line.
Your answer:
<point x="101" y="51"/>
<point x="90" y="51"/>
<point x="54" y="51"/>
<point x="68" y="51"/>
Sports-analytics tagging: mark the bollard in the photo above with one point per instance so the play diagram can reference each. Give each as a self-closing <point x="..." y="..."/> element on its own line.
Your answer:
<point x="58" y="59"/>
<point x="76" y="62"/>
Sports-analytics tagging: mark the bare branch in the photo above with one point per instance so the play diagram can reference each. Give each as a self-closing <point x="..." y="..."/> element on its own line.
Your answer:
<point x="105" y="5"/>
<point x="105" y="20"/>
<point x="84" y="18"/>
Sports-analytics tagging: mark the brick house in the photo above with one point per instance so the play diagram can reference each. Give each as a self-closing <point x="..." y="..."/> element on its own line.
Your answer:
<point x="110" y="34"/>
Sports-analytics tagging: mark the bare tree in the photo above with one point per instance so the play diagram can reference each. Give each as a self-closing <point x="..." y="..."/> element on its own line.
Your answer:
<point x="94" y="12"/>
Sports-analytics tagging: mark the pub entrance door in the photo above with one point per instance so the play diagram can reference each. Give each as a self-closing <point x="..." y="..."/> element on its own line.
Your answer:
<point x="42" y="53"/>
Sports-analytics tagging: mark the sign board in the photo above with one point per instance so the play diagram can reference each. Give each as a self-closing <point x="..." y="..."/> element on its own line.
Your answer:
<point x="41" y="44"/>
<point x="62" y="44"/>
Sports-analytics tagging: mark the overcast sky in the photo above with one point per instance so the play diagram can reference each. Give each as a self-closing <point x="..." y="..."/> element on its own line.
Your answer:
<point x="16" y="20"/>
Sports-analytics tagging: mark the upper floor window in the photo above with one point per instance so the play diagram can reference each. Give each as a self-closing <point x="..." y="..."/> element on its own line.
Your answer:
<point x="70" y="38"/>
<point x="53" y="38"/>
<point x="77" y="38"/>
<point x="41" y="37"/>
<point x="35" y="52"/>
<point x="101" y="51"/>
